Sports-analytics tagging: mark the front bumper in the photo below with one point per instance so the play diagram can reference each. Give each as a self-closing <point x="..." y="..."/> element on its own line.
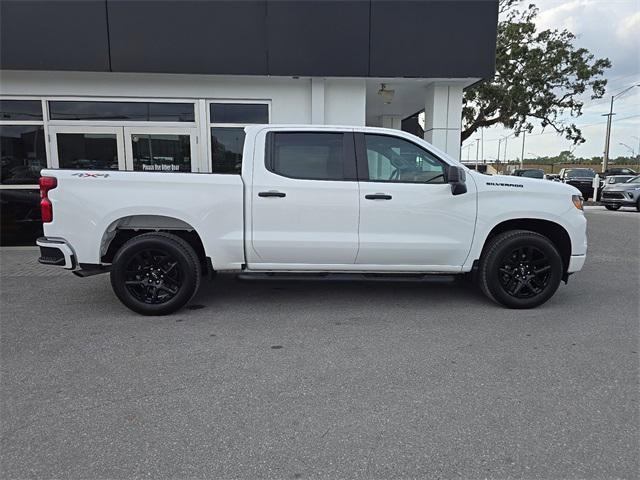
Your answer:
<point x="56" y="252"/>
<point x="576" y="263"/>
<point x="625" y="198"/>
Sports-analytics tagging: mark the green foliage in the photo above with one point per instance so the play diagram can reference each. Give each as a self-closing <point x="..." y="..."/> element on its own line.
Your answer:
<point x="540" y="76"/>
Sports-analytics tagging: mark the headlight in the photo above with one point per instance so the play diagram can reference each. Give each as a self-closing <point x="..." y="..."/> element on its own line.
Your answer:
<point x="578" y="201"/>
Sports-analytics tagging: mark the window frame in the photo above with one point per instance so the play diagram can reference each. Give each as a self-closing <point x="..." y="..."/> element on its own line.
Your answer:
<point x="209" y="125"/>
<point x="43" y="123"/>
<point x="350" y="167"/>
<point x="363" y="163"/>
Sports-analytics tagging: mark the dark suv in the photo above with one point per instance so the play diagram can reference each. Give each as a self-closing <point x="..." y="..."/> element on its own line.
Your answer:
<point x="581" y="178"/>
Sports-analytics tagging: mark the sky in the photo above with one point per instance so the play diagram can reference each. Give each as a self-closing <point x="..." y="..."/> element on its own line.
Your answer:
<point x="608" y="28"/>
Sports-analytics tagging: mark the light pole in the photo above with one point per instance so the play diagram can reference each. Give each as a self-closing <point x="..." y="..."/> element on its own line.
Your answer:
<point x="638" y="138"/>
<point x="607" y="140"/>
<point x="633" y="152"/>
<point x="477" y="152"/>
<point x="522" y="154"/>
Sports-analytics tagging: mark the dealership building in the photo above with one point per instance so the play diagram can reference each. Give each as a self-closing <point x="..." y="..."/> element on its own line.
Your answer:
<point x="168" y="86"/>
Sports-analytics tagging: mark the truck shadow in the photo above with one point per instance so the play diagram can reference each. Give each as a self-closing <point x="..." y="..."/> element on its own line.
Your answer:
<point x="228" y="290"/>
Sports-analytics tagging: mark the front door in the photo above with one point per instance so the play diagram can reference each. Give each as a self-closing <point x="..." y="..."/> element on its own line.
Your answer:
<point x="304" y="202"/>
<point x="409" y="220"/>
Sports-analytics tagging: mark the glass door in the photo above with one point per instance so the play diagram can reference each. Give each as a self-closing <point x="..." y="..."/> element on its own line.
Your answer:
<point x="160" y="149"/>
<point x="87" y="148"/>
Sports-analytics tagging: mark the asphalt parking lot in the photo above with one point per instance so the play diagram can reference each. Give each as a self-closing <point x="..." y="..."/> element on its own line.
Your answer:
<point x="325" y="380"/>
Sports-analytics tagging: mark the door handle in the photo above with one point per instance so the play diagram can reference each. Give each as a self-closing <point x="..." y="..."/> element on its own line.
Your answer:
<point x="272" y="194"/>
<point x="378" y="196"/>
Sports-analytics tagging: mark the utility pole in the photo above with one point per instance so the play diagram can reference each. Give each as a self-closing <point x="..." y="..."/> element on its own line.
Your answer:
<point x="477" y="152"/>
<point x="505" y="149"/>
<point x="605" y="158"/>
<point x="482" y="146"/>
<point x="522" y="154"/>
<point x="607" y="140"/>
<point x="499" y="145"/>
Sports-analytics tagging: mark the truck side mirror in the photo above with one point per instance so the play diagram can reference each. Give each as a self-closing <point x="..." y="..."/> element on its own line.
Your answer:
<point x="457" y="177"/>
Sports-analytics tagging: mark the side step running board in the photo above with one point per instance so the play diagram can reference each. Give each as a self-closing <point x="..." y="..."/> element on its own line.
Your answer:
<point x="346" y="277"/>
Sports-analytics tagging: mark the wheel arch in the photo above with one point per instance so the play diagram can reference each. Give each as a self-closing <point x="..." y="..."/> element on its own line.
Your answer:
<point x="119" y="231"/>
<point x="556" y="233"/>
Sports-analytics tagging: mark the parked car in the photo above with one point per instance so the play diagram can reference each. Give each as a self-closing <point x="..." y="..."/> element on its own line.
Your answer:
<point x="529" y="173"/>
<point x="618" y="171"/>
<point x="581" y="178"/>
<point x="314" y="200"/>
<point x="626" y="194"/>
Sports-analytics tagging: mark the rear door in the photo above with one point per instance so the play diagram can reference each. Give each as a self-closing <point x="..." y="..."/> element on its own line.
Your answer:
<point x="304" y="201"/>
<point x="409" y="219"/>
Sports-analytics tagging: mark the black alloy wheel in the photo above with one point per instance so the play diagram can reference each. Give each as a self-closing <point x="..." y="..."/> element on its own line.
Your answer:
<point x="520" y="269"/>
<point x="153" y="276"/>
<point x="525" y="272"/>
<point x="155" y="273"/>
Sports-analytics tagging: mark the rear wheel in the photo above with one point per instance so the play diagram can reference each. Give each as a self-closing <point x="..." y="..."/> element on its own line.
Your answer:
<point x="520" y="269"/>
<point x="612" y="207"/>
<point x="155" y="273"/>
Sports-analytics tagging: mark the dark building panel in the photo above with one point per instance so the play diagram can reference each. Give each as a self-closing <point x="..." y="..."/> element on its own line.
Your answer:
<point x="327" y="38"/>
<point x="213" y="37"/>
<point x="433" y="38"/>
<point x="53" y="35"/>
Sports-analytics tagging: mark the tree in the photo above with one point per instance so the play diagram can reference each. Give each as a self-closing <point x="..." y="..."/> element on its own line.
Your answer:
<point x="539" y="76"/>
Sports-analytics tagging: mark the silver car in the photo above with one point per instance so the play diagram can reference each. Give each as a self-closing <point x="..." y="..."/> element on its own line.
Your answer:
<point x="626" y="194"/>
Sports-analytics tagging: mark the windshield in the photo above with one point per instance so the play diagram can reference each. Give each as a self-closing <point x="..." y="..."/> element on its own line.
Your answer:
<point x="532" y="173"/>
<point x="618" y="179"/>
<point x="581" y="172"/>
<point x="634" y="180"/>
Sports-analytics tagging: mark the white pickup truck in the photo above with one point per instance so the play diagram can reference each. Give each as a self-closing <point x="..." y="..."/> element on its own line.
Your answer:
<point x="314" y="201"/>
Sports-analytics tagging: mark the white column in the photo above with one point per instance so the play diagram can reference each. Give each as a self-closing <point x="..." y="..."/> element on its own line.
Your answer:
<point x="391" y="121"/>
<point x="317" y="101"/>
<point x="443" y="116"/>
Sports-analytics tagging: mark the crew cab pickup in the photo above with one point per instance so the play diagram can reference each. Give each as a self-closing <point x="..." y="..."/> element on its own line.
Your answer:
<point x="314" y="200"/>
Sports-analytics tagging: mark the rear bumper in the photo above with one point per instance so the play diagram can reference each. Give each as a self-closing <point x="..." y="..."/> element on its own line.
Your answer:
<point x="56" y="252"/>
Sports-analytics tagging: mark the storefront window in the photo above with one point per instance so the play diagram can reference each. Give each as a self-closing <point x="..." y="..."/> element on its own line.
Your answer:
<point x="227" y="122"/>
<point x="23" y="154"/>
<point x="122" y="111"/>
<point x="20" y="110"/>
<point x="161" y="153"/>
<point x="239" y="113"/>
<point x="226" y="149"/>
<point x="87" y="151"/>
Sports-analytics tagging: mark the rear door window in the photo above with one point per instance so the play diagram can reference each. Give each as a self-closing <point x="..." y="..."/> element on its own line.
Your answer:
<point x="311" y="155"/>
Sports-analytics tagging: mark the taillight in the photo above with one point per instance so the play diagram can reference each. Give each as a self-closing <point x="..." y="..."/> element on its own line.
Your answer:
<point x="46" y="208"/>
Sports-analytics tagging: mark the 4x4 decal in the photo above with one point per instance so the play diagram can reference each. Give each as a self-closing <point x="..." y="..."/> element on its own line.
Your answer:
<point x="90" y="175"/>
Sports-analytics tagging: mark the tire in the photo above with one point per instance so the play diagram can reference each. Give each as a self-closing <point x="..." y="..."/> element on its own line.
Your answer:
<point x="638" y="205"/>
<point x="155" y="273"/>
<point x="612" y="207"/>
<point x="515" y="282"/>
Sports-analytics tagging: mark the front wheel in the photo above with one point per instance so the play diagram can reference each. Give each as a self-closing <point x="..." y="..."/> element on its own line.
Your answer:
<point x="155" y="273"/>
<point x="520" y="269"/>
<point x="612" y="207"/>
